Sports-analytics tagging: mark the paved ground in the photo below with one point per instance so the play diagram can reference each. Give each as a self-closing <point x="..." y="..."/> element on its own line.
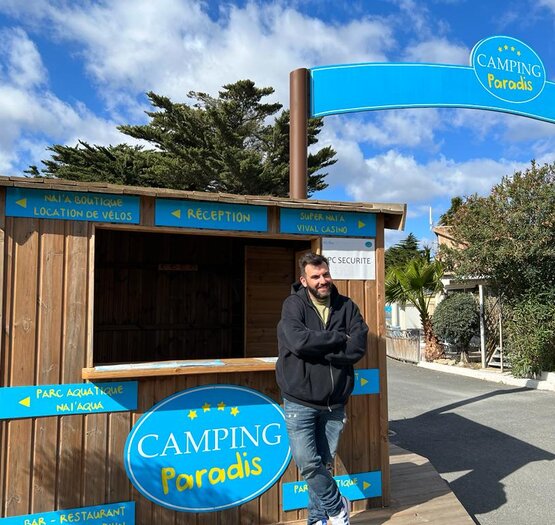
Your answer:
<point x="493" y="443"/>
<point x="546" y="382"/>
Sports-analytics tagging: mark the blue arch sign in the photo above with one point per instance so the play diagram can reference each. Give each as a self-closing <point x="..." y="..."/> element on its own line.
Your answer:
<point x="504" y="75"/>
<point x="208" y="448"/>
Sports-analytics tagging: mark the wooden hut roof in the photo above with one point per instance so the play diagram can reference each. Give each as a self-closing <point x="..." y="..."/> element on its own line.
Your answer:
<point x="394" y="214"/>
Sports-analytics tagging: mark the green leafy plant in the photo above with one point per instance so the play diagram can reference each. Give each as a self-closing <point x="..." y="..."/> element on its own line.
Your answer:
<point x="456" y="319"/>
<point x="508" y="236"/>
<point x="530" y="327"/>
<point x="416" y="282"/>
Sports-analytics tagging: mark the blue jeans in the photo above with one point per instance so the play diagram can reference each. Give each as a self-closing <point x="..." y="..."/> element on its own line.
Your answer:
<point x="313" y="437"/>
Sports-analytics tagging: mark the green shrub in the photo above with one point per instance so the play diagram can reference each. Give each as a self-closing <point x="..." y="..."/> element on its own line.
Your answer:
<point x="456" y="319"/>
<point x="530" y="335"/>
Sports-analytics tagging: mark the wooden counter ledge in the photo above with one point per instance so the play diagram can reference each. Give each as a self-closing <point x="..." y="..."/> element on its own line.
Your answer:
<point x="185" y="367"/>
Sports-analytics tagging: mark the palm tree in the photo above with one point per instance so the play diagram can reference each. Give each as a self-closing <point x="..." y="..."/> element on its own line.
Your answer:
<point x="416" y="282"/>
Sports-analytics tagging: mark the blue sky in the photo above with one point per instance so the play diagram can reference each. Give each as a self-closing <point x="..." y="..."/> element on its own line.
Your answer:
<point x="76" y="69"/>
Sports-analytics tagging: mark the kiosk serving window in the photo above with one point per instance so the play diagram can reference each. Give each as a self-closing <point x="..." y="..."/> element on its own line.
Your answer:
<point x="166" y="296"/>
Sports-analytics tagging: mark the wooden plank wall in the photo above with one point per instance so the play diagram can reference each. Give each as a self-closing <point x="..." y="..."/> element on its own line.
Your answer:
<point x="269" y="273"/>
<point x="364" y="443"/>
<point x="72" y="461"/>
<point x="43" y="342"/>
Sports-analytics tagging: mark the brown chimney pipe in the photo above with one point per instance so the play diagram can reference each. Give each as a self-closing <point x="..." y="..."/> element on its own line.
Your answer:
<point x="298" y="133"/>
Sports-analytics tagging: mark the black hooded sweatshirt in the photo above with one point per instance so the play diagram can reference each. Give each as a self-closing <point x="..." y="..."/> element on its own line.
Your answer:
<point x="315" y="363"/>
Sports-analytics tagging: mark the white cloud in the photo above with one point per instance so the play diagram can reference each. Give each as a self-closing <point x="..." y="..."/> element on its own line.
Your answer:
<point x="350" y="157"/>
<point x="32" y="116"/>
<point x="392" y="237"/>
<point x="397" y="175"/>
<point x="394" y="177"/>
<point x="409" y="127"/>
<point x="32" y="121"/>
<point x="417" y="14"/>
<point x="500" y="126"/>
<point x="420" y="210"/>
<point x="22" y="65"/>
<point x="438" y="51"/>
<point x="521" y="138"/>
<point x="550" y="4"/>
<point x="173" y="46"/>
<point x="527" y="129"/>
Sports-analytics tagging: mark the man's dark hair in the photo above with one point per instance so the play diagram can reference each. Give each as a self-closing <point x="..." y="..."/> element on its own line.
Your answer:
<point x="312" y="258"/>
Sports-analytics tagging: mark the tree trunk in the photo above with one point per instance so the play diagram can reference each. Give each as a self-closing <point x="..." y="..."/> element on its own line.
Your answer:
<point x="432" y="348"/>
<point x="464" y="356"/>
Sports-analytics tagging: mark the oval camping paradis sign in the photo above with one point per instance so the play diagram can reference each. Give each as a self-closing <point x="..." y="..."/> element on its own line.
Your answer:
<point x="208" y="448"/>
<point x="508" y="68"/>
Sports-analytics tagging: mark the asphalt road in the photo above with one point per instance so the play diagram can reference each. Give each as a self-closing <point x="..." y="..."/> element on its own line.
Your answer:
<point x="493" y="444"/>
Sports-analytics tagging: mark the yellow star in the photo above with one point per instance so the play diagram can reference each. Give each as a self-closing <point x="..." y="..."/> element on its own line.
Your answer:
<point x="499" y="49"/>
<point x="234" y="411"/>
<point x="192" y="414"/>
<point x="512" y="48"/>
<point x="506" y="46"/>
<point x="221" y="405"/>
<point x="518" y="53"/>
<point x="206" y="407"/>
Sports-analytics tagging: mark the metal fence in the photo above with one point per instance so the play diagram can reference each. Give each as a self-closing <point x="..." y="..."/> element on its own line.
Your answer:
<point x="403" y="344"/>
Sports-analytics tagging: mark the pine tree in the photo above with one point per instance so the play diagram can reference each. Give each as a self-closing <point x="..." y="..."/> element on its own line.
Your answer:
<point x="224" y="144"/>
<point x="402" y="252"/>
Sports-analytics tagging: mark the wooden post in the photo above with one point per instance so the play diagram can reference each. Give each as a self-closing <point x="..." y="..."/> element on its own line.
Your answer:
<point x="298" y="133"/>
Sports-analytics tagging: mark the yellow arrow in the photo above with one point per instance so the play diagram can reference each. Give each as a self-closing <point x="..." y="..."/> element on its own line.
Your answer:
<point x="363" y="381"/>
<point x="26" y="402"/>
<point x="177" y="213"/>
<point x="361" y="224"/>
<point x="365" y="485"/>
<point x="22" y="203"/>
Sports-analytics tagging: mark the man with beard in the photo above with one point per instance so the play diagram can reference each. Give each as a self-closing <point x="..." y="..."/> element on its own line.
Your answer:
<point x="321" y="335"/>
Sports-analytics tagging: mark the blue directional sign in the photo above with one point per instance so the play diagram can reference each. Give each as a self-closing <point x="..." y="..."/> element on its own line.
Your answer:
<point x="505" y="75"/>
<point x="327" y="222"/>
<point x="72" y="206"/>
<point x="353" y="486"/>
<point x="210" y="215"/>
<point x="367" y="381"/>
<point x="112" y="514"/>
<point x="18" y="402"/>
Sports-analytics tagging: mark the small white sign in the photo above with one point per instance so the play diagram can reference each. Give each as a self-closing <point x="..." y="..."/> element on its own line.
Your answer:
<point x="350" y="258"/>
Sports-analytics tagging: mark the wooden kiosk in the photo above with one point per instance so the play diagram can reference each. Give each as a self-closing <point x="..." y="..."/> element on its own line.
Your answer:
<point x="171" y="290"/>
